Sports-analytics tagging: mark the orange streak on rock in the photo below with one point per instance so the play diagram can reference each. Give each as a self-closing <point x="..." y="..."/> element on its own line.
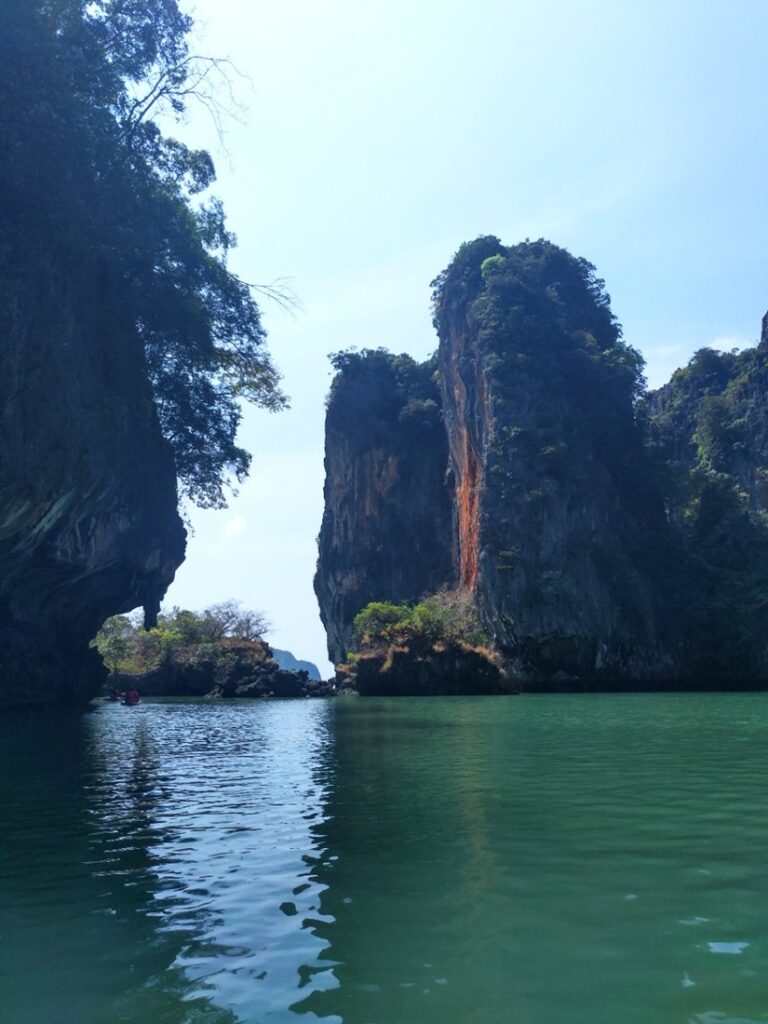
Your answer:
<point x="468" y="506"/>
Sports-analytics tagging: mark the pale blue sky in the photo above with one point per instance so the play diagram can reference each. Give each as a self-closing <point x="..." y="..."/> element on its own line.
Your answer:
<point x="381" y="135"/>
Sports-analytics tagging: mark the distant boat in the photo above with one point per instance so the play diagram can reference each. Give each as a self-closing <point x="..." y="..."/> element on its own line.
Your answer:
<point x="132" y="698"/>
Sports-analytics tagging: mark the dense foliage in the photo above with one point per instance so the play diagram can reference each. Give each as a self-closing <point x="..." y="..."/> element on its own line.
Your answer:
<point x="708" y="432"/>
<point x="543" y="316"/>
<point x="88" y="180"/>
<point x="393" y="394"/>
<point x="449" y="617"/>
<point x="180" y="636"/>
<point x="436" y="646"/>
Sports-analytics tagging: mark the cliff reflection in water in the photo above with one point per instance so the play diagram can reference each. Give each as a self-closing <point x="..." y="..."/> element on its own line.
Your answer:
<point x="408" y="879"/>
<point x="587" y="859"/>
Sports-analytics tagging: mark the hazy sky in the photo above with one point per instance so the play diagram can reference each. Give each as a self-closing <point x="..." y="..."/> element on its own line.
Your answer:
<point x="381" y="135"/>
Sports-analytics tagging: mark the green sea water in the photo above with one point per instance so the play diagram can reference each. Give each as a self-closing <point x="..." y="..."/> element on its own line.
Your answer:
<point x="530" y="860"/>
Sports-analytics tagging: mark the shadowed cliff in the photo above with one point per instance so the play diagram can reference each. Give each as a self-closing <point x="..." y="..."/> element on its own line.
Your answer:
<point x="126" y="344"/>
<point x="555" y="508"/>
<point x="88" y="520"/>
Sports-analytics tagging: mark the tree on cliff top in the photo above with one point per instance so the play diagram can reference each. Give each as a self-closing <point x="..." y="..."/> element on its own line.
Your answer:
<point x="87" y="177"/>
<point x="541" y="319"/>
<point x="536" y="296"/>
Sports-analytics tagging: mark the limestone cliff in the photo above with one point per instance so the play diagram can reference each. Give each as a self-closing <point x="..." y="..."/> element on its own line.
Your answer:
<point x="714" y="412"/>
<point x="556" y="517"/>
<point x="607" y="537"/>
<point x="88" y="519"/>
<point x="387" y="524"/>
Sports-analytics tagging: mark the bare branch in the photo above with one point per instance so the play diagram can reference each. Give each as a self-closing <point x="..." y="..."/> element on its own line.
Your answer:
<point x="280" y="292"/>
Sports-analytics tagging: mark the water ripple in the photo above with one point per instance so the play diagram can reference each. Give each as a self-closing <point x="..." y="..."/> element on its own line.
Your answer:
<point x="579" y="859"/>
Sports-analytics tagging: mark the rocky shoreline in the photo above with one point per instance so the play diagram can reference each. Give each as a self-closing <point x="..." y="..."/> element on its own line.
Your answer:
<point x="247" y="669"/>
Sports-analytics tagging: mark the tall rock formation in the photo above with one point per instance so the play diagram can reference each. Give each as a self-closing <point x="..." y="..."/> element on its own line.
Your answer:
<point x="607" y="537"/>
<point x="386" y="530"/>
<point x="88" y="519"/>
<point x="555" y="512"/>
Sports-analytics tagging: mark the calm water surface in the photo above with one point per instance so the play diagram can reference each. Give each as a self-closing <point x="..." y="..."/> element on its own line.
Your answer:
<point x="535" y="860"/>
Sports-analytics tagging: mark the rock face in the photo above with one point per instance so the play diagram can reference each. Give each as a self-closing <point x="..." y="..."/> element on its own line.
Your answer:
<point x="387" y="522"/>
<point x="709" y="433"/>
<point x="88" y="520"/>
<point x="555" y="519"/>
<point x="715" y="410"/>
<point x="607" y="537"/>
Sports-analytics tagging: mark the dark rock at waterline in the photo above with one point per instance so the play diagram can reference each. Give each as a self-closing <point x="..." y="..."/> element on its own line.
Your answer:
<point x="450" y="670"/>
<point x="88" y="519"/>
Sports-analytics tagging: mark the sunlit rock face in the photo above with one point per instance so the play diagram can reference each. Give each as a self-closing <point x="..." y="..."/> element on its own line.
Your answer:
<point x="387" y="527"/>
<point x="88" y="507"/>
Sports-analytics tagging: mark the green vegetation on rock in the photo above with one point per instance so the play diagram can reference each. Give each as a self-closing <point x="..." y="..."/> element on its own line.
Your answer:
<point x="708" y="429"/>
<point x="433" y="647"/>
<point x="181" y="636"/>
<point x="219" y="652"/>
<point x="449" y="617"/>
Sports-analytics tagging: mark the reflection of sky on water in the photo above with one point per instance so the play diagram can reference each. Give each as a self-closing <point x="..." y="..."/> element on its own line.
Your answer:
<point x="162" y="862"/>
